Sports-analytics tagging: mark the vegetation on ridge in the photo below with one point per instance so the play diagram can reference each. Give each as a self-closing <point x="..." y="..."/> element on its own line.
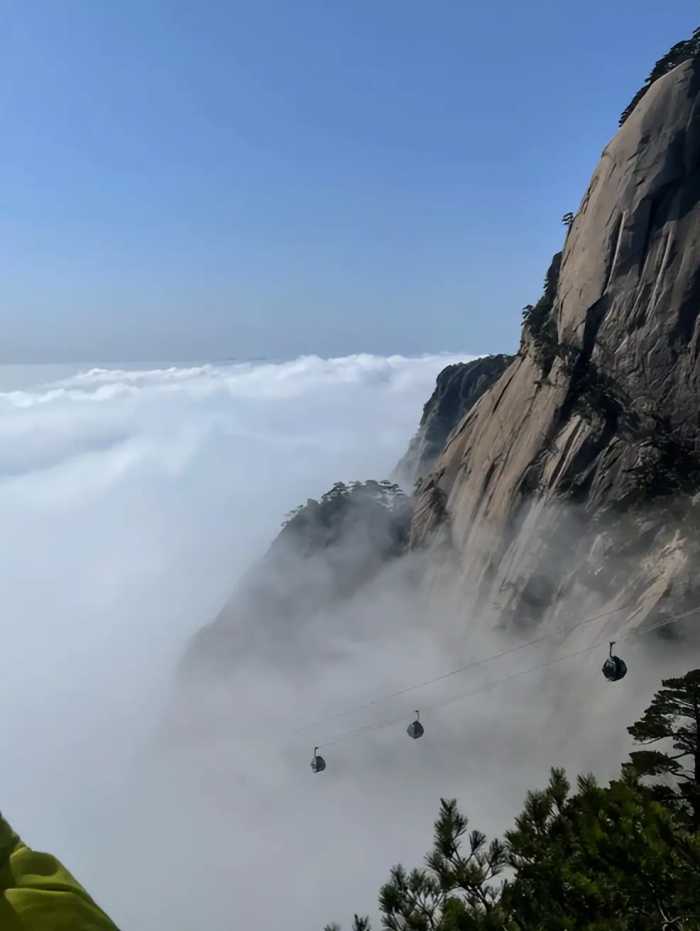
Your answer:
<point x="539" y="323"/>
<point x="680" y="52"/>
<point x="385" y="494"/>
<point x="378" y="512"/>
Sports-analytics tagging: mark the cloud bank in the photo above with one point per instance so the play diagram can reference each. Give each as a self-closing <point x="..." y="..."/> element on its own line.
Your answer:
<point x="132" y="500"/>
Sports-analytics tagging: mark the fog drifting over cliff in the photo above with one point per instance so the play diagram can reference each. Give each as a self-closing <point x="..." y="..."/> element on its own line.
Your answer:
<point x="131" y="502"/>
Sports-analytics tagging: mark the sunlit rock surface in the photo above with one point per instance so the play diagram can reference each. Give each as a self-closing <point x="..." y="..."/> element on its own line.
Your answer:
<point x="571" y="482"/>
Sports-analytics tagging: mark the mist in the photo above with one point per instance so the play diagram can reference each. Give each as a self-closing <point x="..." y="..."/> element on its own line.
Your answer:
<point x="132" y="503"/>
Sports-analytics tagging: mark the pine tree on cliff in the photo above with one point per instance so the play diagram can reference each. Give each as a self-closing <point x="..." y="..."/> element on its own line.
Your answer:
<point x="680" y="52"/>
<point x="673" y="717"/>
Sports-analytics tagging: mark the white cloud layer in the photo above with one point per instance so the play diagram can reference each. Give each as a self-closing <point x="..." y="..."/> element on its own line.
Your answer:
<point x="131" y="501"/>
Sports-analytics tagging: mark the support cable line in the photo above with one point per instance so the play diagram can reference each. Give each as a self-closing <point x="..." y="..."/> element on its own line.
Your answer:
<point x="458" y="670"/>
<point x="366" y="728"/>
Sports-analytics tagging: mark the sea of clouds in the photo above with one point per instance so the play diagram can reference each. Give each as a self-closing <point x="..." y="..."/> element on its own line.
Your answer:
<point x="131" y="502"/>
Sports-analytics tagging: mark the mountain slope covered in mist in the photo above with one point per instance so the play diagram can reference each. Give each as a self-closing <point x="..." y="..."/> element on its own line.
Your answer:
<point x="330" y="549"/>
<point x="325" y="552"/>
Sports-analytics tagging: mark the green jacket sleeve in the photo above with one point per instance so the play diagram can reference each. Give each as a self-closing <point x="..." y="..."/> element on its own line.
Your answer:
<point x="38" y="894"/>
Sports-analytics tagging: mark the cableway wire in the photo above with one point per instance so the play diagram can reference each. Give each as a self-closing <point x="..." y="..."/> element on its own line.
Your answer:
<point x="472" y="664"/>
<point x="515" y="675"/>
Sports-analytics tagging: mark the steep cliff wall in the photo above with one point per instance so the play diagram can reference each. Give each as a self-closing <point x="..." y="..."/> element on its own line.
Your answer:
<point x="572" y="480"/>
<point x="457" y="390"/>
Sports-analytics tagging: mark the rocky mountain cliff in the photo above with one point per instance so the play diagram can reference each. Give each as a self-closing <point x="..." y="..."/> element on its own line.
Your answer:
<point x="573" y="480"/>
<point x="565" y="479"/>
<point x="458" y="388"/>
<point x="329" y="549"/>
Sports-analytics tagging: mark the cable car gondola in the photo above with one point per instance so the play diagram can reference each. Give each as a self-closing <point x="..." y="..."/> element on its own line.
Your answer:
<point x="415" y="729"/>
<point x="318" y="764"/>
<point x="614" y="668"/>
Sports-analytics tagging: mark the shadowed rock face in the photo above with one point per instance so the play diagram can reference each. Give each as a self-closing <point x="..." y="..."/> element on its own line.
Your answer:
<point x="573" y="477"/>
<point x="457" y="389"/>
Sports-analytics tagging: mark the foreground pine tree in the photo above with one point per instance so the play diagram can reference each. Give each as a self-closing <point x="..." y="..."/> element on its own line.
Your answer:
<point x="673" y="721"/>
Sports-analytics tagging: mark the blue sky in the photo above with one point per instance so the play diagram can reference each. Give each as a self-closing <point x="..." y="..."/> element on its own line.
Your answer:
<point x="185" y="180"/>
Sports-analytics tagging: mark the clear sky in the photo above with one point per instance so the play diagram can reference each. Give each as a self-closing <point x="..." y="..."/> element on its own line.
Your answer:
<point x="184" y="180"/>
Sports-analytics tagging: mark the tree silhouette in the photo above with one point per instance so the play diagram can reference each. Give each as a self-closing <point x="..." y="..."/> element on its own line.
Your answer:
<point x="457" y="887"/>
<point x="674" y="717"/>
<point x="680" y="52"/>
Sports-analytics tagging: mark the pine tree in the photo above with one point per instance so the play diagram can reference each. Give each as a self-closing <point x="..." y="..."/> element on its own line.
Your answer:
<point x="674" y="717"/>
<point x="361" y="924"/>
<point x="608" y="858"/>
<point x="456" y="891"/>
<point x="680" y="52"/>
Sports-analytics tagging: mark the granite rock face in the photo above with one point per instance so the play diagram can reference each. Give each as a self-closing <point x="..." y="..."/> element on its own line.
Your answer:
<point x="558" y="483"/>
<point x="572" y="480"/>
<point x="457" y="389"/>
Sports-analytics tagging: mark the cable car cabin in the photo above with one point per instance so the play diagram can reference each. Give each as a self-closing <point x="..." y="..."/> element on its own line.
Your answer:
<point x="614" y="668"/>
<point x="415" y="728"/>
<point x="318" y="764"/>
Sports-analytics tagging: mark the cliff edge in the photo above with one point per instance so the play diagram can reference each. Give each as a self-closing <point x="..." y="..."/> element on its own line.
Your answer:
<point x="457" y="389"/>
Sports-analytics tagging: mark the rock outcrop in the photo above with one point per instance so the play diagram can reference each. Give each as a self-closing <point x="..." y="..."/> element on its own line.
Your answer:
<point x="457" y="390"/>
<point x="326" y="551"/>
<point x="573" y="479"/>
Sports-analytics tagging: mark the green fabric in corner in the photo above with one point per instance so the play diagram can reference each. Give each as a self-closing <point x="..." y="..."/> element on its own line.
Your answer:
<point x="38" y="894"/>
